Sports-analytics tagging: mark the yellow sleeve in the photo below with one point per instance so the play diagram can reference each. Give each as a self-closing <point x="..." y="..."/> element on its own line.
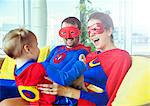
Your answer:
<point x="29" y="93"/>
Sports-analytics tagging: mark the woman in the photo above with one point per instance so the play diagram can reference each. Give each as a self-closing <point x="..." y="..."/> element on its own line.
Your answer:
<point x="102" y="81"/>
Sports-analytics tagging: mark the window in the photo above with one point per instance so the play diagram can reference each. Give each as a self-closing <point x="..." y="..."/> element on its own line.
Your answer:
<point x="43" y="17"/>
<point x="11" y="17"/>
<point x="58" y="10"/>
<point x="131" y="21"/>
<point x="140" y="27"/>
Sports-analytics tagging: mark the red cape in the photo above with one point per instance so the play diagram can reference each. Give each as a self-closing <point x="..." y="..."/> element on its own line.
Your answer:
<point x="115" y="64"/>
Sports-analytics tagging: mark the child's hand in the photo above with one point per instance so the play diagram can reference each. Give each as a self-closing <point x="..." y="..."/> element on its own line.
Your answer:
<point x="82" y="58"/>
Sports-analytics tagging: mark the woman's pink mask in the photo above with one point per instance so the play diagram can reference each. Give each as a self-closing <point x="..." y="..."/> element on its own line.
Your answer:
<point x="97" y="28"/>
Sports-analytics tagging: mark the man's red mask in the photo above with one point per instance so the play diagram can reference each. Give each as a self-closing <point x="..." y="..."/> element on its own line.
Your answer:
<point x="97" y="28"/>
<point x="69" y="32"/>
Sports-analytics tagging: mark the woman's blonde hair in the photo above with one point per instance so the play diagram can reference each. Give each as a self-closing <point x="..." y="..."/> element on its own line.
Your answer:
<point x="14" y="41"/>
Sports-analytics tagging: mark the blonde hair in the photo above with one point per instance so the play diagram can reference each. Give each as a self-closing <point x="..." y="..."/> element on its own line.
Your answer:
<point x="14" y="41"/>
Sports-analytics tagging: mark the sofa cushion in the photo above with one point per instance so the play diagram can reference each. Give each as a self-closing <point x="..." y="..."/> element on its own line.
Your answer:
<point x="135" y="88"/>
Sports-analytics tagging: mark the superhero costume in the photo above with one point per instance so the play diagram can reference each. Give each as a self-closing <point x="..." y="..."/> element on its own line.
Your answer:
<point x="63" y="59"/>
<point x="114" y="66"/>
<point x="32" y="73"/>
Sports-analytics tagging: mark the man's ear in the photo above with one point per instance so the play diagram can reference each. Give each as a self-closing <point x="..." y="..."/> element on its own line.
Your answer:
<point x="26" y="48"/>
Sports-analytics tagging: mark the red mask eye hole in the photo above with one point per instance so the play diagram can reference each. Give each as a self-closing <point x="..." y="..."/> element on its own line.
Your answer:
<point x="94" y="29"/>
<point x="71" y="32"/>
<point x="63" y="33"/>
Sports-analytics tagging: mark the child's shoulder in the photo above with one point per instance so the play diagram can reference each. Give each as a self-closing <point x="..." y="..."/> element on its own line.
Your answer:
<point x="37" y="65"/>
<point x="27" y="68"/>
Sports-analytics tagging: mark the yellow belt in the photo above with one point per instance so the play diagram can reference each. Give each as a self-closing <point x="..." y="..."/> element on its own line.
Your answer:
<point x="95" y="88"/>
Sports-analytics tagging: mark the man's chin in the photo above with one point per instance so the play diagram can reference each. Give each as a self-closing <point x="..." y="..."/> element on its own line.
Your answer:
<point x="70" y="46"/>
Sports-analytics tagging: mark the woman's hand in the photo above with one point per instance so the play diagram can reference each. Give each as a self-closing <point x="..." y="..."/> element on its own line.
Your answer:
<point x="56" y="89"/>
<point x="49" y="88"/>
<point x="53" y="89"/>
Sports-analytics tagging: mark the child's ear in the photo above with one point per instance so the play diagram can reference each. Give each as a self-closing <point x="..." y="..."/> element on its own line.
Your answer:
<point x="26" y="48"/>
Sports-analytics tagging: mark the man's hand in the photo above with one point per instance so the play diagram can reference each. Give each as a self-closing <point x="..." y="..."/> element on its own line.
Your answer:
<point x="79" y="83"/>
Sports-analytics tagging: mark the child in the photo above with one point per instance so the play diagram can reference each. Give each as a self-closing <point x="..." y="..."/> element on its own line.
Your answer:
<point x="21" y="44"/>
<point x="64" y="56"/>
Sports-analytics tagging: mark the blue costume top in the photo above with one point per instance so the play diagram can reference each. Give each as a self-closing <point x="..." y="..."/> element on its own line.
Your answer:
<point x="64" y="59"/>
<point x="94" y="75"/>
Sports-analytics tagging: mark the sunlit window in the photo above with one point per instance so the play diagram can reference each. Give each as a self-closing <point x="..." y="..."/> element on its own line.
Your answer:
<point x="131" y="21"/>
<point x="43" y="17"/>
<point x="11" y="17"/>
<point x="57" y="11"/>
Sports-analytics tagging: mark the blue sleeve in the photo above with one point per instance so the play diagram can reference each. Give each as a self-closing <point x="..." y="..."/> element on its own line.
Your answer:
<point x="99" y="99"/>
<point x="65" y="78"/>
<point x="74" y="58"/>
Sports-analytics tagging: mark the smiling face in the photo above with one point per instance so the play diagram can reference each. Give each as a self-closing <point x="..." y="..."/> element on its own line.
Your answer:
<point x="70" y="42"/>
<point x="100" y="37"/>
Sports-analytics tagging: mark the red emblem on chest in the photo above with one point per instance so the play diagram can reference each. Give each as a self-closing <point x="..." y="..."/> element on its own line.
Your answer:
<point x="60" y="57"/>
